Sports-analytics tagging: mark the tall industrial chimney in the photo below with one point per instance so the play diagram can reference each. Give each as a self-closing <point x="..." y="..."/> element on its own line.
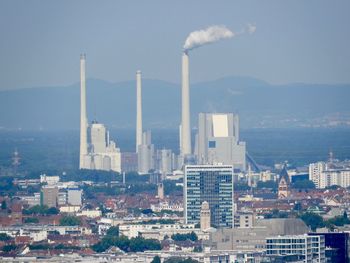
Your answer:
<point x="185" y="123"/>
<point x="83" y="117"/>
<point x="138" y="110"/>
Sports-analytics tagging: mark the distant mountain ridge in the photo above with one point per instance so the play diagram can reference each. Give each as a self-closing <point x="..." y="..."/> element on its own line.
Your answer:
<point x="258" y="103"/>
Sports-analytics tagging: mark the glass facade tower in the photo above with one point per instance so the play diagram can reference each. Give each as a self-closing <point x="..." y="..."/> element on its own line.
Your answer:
<point x="211" y="183"/>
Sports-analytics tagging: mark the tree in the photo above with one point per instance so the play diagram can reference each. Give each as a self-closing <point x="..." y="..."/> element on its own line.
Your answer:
<point x="156" y="259"/>
<point x="3" y="205"/>
<point x="183" y="237"/>
<point x="30" y="220"/>
<point x="312" y="220"/>
<point x="268" y="184"/>
<point x="70" y="221"/>
<point x="303" y="184"/>
<point x="113" y="231"/>
<point x="52" y="211"/>
<point x="180" y="260"/>
<point x="4" y="237"/>
<point x="8" y="248"/>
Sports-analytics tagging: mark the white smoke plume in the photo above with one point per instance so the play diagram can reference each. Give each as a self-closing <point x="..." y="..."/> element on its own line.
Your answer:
<point x="213" y="34"/>
<point x="251" y="28"/>
<point x="206" y="36"/>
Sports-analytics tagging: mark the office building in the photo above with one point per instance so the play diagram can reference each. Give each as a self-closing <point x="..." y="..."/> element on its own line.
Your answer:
<point x="337" y="246"/>
<point x="212" y="184"/>
<point x="300" y="248"/>
<point x="218" y="140"/>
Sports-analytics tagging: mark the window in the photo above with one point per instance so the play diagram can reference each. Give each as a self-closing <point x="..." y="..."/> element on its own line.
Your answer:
<point x="212" y="144"/>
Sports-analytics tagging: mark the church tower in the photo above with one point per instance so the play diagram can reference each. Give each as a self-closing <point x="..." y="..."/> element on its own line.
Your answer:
<point x="283" y="184"/>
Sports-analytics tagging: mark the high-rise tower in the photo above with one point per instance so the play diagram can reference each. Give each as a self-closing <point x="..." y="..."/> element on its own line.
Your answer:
<point x="185" y="117"/>
<point x="138" y="110"/>
<point x="83" y="116"/>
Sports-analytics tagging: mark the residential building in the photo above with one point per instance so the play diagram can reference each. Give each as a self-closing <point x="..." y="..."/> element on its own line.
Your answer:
<point x="49" y="196"/>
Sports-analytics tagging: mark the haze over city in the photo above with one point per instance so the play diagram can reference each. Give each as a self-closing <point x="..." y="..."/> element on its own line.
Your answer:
<point x="174" y="132"/>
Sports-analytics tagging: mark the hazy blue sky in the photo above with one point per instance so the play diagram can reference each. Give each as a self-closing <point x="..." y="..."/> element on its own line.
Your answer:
<point x="295" y="41"/>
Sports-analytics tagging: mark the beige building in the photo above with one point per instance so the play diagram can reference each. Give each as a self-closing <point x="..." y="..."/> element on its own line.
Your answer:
<point x="49" y="196"/>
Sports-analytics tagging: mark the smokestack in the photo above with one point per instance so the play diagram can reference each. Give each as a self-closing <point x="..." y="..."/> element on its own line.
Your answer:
<point x="83" y="117"/>
<point x="138" y="110"/>
<point x="185" y="123"/>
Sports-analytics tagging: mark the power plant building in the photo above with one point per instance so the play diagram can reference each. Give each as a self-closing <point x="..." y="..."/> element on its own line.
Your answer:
<point x="212" y="184"/>
<point x="145" y="154"/>
<point x="101" y="153"/>
<point x="218" y="140"/>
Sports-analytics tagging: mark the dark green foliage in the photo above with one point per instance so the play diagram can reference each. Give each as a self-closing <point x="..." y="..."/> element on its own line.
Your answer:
<point x="183" y="237"/>
<point x="7" y="187"/>
<point x="338" y="220"/>
<point x="41" y="210"/>
<point x="4" y="237"/>
<point x="3" y="205"/>
<point x="31" y="220"/>
<point x="333" y="187"/>
<point x="137" y="244"/>
<point x="268" y="184"/>
<point x="276" y="214"/>
<point x="159" y="221"/>
<point x="156" y="259"/>
<point x="241" y="186"/>
<point x="312" y="220"/>
<point x="180" y="260"/>
<point x="113" y="231"/>
<point x="62" y="246"/>
<point x="8" y="248"/>
<point x="39" y="246"/>
<point x="90" y="191"/>
<point x="141" y="188"/>
<point x="303" y="184"/>
<point x="90" y="175"/>
<point x="147" y="211"/>
<point x="135" y="178"/>
<point x="170" y="187"/>
<point x="70" y="221"/>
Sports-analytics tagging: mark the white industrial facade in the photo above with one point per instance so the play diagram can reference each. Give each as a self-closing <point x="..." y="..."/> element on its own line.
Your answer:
<point x="218" y="140"/>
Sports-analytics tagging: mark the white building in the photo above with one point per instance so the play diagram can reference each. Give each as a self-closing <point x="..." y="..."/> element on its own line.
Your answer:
<point x="50" y="180"/>
<point x="145" y="154"/>
<point x="218" y="140"/>
<point x="74" y="196"/>
<point x="323" y="177"/>
<point x="315" y="174"/>
<point x="165" y="161"/>
<point x="307" y="248"/>
<point x="103" y="153"/>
